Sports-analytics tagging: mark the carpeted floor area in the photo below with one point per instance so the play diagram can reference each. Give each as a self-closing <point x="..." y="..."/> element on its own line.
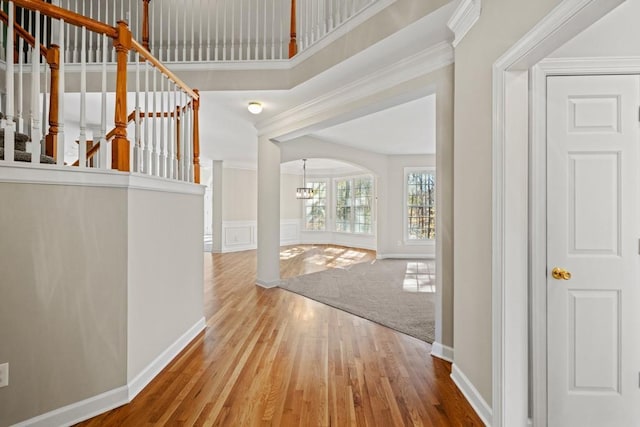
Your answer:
<point x="399" y="294"/>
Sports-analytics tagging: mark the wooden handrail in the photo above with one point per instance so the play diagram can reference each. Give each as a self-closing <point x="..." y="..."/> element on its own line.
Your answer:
<point x="162" y="68"/>
<point x="145" y="24"/>
<point x="93" y="150"/>
<point x="68" y="16"/>
<point x="26" y="36"/>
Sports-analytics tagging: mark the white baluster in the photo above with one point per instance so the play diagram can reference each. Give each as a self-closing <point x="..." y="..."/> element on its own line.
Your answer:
<point x="177" y="29"/>
<point x="201" y="10"/>
<point x="184" y="33"/>
<point x="19" y="118"/>
<point x="104" y="144"/>
<point x="61" y="92"/>
<point x="137" y="153"/>
<point x="82" y="142"/>
<point x="224" y="33"/>
<point x="146" y="152"/>
<point x="188" y="142"/>
<point x="240" y="47"/>
<point x="208" y="30"/>
<point x="171" y="153"/>
<point x="91" y="57"/>
<point x="168" y="32"/>
<point x="8" y="124"/>
<point x="193" y="31"/>
<point x="264" y="31"/>
<point x="273" y="29"/>
<point x="249" y="29"/>
<point x="152" y="25"/>
<point x="233" y="30"/>
<point x="163" y="152"/>
<point x="176" y="128"/>
<point x="36" y="124"/>
<point x="183" y="140"/>
<point x="217" y="17"/>
<point x="154" y="136"/>
<point x="257" y="53"/>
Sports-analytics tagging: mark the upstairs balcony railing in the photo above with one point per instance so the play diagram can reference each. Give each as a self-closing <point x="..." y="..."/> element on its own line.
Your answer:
<point x="209" y="30"/>
<point x="164" y="119"/>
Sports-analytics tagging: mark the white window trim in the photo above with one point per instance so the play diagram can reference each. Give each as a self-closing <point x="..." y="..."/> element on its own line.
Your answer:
<point x="405" y="208"/>
<point x="334" y="202"/>
<point x="327" y="207"/>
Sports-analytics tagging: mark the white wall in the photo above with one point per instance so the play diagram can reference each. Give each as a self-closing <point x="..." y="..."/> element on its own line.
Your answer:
<point x="616" y="34"/>
<point x="165" y="279"/>
<point x="290" y="207"/>
<point x="239" y="195"/>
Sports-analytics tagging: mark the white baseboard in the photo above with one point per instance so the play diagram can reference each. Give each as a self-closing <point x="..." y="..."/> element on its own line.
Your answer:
<point x="141" y="380"/>
<point x="442" y="351"/>
<point x="96" y="405"/>
<point x="405" y="256"/>
<point x="80" y="411"/>
<point x="472" y="395"/>
<point x="267" y="285"/>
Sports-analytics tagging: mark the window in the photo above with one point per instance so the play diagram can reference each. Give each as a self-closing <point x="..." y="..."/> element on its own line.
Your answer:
<point x="315" y="209"/>
<point x="353" y="205"/>
<point x="421" y="210"/>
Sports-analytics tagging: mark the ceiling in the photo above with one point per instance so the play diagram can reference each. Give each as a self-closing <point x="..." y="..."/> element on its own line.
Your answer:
<point x="227" y="129"/>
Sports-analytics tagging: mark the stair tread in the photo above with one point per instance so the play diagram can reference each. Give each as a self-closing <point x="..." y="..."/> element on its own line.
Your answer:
<point x="22" y="156"/>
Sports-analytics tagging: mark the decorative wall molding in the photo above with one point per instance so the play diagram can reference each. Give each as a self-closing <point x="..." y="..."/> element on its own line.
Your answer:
<point x="419" y="64"/>
<point x="95" y="405"/>
<point x="472" y="395"/>
<point x="143" y="379"/>
<point x="463" y="18"/>
<point x="609" y="65"/>
<point x="442" y="351"/>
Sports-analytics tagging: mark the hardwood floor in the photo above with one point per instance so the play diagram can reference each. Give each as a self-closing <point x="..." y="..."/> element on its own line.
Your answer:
<point x="269" y="357"/>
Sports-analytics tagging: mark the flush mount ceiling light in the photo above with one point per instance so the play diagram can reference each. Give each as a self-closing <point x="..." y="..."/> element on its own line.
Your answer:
<point x="255" y="107"/>
<point x="304" y="192"/>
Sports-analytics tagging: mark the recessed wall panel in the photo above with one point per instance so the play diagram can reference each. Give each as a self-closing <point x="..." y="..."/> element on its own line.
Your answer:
<point x="594" y="203"/>
<point x="594" y="114"/>
<point x="594" y="341"/>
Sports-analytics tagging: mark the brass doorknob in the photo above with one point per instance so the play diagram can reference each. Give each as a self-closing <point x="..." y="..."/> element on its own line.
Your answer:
<point x="560" y="274"/>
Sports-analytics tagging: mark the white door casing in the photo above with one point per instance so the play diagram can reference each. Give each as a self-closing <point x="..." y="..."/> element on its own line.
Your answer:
<point x="593" y="164"/>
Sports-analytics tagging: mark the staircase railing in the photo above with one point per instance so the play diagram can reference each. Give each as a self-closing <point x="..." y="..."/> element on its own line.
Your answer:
<point x="165" y="123"/>
<point x="214" y="30"/>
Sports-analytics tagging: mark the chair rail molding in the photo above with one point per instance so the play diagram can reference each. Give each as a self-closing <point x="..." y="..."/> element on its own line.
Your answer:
<point x="463" y="19"/>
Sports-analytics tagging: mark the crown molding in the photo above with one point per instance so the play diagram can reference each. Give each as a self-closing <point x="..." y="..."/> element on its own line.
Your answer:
<point x="419" y="64"/>
<point x="463" y="18"/>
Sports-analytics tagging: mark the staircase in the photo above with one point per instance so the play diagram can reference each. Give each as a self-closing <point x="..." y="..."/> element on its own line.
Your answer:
<point x="20" y="148"/>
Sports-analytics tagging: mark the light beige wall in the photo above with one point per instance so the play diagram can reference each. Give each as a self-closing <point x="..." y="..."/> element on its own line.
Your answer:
<point x="239" y="195"/>
<point x="165" y="286"/>
<point x="501" y="24"/>
<point x="290" y="207"/>
<point x="63" y="295"/>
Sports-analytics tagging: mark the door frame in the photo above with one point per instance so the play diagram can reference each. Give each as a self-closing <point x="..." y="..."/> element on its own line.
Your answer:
<point x="517" y="263"/>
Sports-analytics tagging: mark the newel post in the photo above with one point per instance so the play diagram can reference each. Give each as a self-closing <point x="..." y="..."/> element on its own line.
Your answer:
<point x="51" y="140"/>
<point x="120" y="144"/>
<point x="196" y="138"/>
<point x="145" y="24"/>
<point x="293" y="46"/>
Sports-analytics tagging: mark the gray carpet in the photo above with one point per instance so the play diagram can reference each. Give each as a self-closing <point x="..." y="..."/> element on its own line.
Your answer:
<point x="399" y="294"/>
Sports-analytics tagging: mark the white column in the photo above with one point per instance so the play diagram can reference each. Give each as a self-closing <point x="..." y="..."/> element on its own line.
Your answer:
<point x="268" y="213"/>
<point x="216" y="211"/>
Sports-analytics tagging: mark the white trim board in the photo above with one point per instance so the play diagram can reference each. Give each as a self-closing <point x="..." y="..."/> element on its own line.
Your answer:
<point x="472" y="395"/>
<point x="143" y="379"/>
<point x="442" y="351"/>
<point x="510" y="357"/>
<point x="463" y="19"/>
<point x="405" y="256"/>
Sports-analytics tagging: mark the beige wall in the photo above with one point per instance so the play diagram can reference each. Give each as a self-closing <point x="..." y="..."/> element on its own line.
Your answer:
<point x="492" y="35"/>
<point x="239" y="195"/>
<point x="290" y="207"/>
<point x="63" y="264"/>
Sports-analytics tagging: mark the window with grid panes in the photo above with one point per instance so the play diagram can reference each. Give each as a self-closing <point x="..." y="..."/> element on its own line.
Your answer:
<point x="421" y="209"/>
<point x="315" y="209"/>
<point x="353" y="198"/>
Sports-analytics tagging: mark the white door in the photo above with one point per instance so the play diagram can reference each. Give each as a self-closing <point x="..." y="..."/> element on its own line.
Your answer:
<point x="593" y="166"/>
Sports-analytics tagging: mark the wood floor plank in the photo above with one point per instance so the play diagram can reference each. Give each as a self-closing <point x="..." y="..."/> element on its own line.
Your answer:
<point x="269" y="357"/>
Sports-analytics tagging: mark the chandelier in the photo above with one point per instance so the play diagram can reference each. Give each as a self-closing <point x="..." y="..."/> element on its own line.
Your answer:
<point x="304" y="192"/>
